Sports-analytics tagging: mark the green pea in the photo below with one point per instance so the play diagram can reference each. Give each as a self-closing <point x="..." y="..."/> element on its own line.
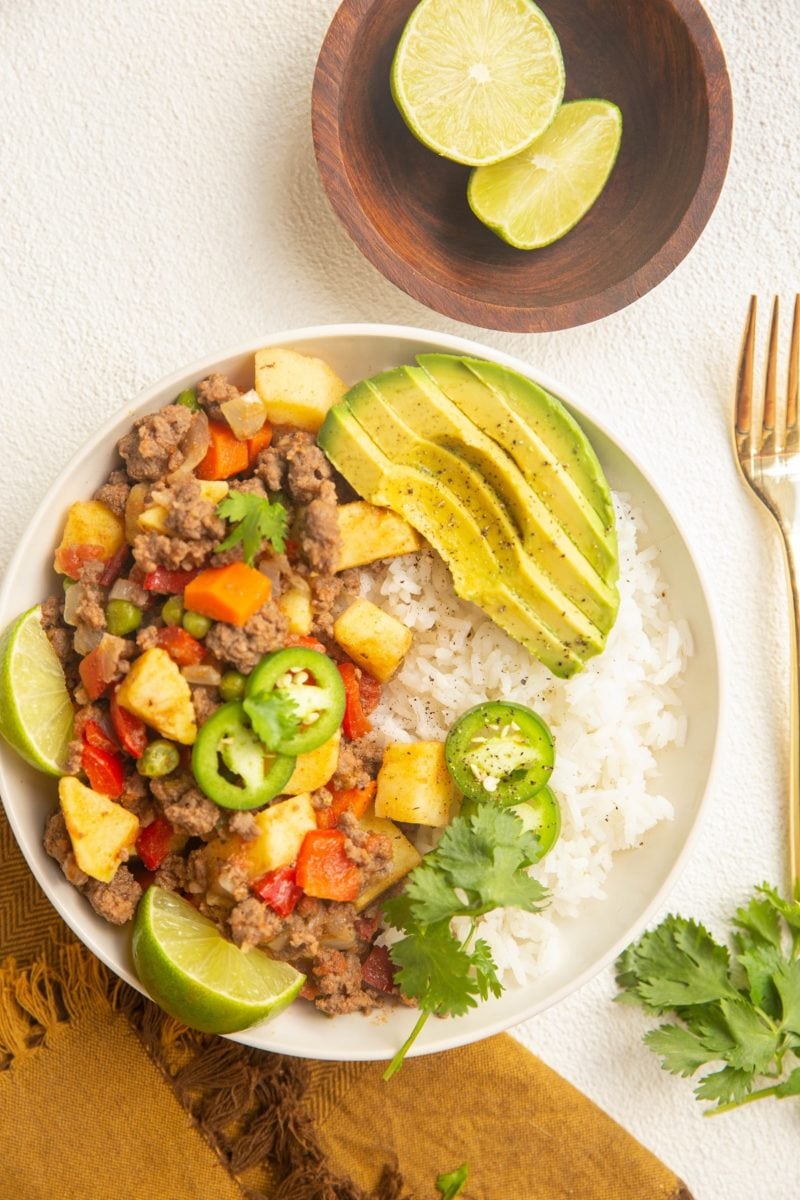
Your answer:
<point x="196" y="624"/>
<point x="188" y="398"/>
<point x="159" y="758"/>
<point x="231" y="686"/>
<point x="67" y="583"/>
<point x="172" y="611"/>
<point x="122" y="617"/>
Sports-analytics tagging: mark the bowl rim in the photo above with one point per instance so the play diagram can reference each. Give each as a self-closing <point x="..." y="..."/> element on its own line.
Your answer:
<point x="332" y="167"/>
<point x="144" y="401"/>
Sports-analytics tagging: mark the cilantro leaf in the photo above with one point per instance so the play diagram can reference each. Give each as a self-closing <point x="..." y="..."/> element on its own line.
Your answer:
<point x="273" y="716"/>
<point x="740" y="1010"/>
<point x="486" y="975"/>
<point x="432" y="895"/>
<point x="452" y="1184"/>
<point x="434" y="969"/>
<point x="254" y="518"/>
<point x="488" y="855"/>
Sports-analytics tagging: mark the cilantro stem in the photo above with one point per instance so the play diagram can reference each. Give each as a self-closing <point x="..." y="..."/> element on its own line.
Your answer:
<point x="759" y="1095"/>
<point x="397" y="1062"/>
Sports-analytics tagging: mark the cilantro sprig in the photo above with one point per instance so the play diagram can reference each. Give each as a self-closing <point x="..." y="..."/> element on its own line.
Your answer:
<point x="452" y="1183"/>
<point x="481" y="863"/>
<point x="254" y="518"/>
<point x="736" y="1006"/>
<point x="274" y="717"/>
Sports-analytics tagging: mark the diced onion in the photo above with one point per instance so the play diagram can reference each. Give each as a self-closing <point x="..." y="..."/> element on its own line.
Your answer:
<point x="194" y="446"/>
<point x="271" y="567"/>
<point x="245" y="414"/>
<point x="72" y="600"/>
<point x="134" y="507"/>
<point x="126" y="589"/>
<point x="86" y="639"/>
<point x="202" y="674"/>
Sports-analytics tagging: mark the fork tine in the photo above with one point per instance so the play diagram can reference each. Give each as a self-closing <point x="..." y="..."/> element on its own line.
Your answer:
<point x="772" y="438"/>
<point x="744" y="384"/>
<point x="793" y="385"/>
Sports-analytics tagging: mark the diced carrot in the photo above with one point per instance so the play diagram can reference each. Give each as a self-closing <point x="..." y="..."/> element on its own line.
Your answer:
<point x="225" y="456"/>
<point x="324" y="869"/>
<point x="354" y="800"/>
<point x="232" y="594"/>
<point x="260" y="441"/>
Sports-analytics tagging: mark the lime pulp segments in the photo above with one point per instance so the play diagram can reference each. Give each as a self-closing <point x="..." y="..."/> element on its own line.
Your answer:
<point x="537" y="196"/>
<point x="477" y="82"/>
<point x="35" y="709"/>
<point x="198" y="976"/>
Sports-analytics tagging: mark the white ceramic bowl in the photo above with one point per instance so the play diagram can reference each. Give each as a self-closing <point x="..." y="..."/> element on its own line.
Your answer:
<point x="639" y="881"/>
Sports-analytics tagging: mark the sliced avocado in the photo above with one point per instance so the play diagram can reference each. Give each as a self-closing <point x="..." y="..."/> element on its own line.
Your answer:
<point x="565" y="486"/>
<point x="547" y="418"/>
<point x="451" y="530"/>
<point x="413" y="422"/>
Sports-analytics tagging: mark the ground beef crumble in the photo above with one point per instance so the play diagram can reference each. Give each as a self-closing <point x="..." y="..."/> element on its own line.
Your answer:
<point x="155" y="446"/>
<point x="115" y="901"/>
<point x="214" y="392"/>
<point x="242" y="646"/>
<point x="114" y="492"/>
<point x="184" y="805"/>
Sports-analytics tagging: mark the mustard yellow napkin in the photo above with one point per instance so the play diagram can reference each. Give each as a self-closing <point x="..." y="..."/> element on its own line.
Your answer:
<point x="102" y="1095"/>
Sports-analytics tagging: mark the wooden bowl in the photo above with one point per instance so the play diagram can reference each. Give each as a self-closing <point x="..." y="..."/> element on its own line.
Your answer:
<point x="406" y="208"/>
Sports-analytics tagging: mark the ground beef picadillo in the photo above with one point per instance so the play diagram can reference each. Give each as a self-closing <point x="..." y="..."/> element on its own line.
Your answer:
<point x="326" y="939"/>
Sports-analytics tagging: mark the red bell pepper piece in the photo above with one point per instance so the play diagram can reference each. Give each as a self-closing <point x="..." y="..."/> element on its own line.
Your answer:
<point x="104" y="770"/>
<point x="370" y="691"/>
<point x="308" y="643"/>
<point x="93" y="733"/>
<point x="279" y="890"/>
<point x="324" y="869"/>
<point x="155" y="842"/>
<point x="355" y="723"/>
<point x="378" y="969"/>
<point x="180" y="645"/>
<point x="131" y="730"/>
<point x="354" y="800"/>
<point x="168" y="582"/>
<point x="99" y="667"/>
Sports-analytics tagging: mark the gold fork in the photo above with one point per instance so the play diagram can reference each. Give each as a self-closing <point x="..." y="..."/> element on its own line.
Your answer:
<point x="768" y="451"/>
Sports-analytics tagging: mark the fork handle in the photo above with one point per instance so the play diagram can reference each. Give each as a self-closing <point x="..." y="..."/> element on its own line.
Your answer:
<point x="794" y="717"/>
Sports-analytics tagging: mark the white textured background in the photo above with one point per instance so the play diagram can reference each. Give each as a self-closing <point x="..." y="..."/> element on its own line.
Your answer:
<point x="159" y="202"/>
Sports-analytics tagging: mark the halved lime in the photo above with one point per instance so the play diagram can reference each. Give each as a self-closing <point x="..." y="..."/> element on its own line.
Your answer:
<point x="477" y="82"/>
<point x="35" y="709"/>
<point x="537" y="196"/>
<point x="198" y="976"/>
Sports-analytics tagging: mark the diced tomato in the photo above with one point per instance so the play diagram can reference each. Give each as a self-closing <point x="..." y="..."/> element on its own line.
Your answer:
<point x="355" y="723"/>
<point x="113" y="567"/>
<point x="377" y="970"/>
<point x="94" y="734"/>
<point x="354" y="800"/>
<point x="104" y="771"/>
<point x="71" y="559"/>
<point x="370" y="692"/>
<point x="180" y="645"/>
<point x="131" y="730"/>
<point x="279" y="890"/>
<point x="309" y="643"/>
<point x="324" y="869"/>
<point x="155" y="842"/>
<point x="168" y="582"/>
<point x="98" y="668"/>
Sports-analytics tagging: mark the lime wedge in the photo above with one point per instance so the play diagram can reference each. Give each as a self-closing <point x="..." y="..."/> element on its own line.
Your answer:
<point x="198" y="976"/>
<point x="477" y="82"/>
<point x="537" y="196"/>
<point x="35" y="708"/>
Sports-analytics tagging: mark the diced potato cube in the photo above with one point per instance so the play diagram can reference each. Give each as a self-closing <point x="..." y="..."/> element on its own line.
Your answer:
<point x="282" y="828"/>
<point x="368" y="533"/>
<point x="414" y="785"/>
<point x="154" y="518"/>
<point x="89" y="523"/>
<point x="296" y="389"/>
<point x="295" y="604"/>
<point x="155" y="691"/>
<point x="374" y="640"/>
<point x="100" y="830"/>
<point x="313" y="770"/>
<point x="404" y="858"/>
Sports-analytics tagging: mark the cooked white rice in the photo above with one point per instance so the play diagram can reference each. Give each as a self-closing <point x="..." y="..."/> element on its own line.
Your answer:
<point x="608" y="722"/>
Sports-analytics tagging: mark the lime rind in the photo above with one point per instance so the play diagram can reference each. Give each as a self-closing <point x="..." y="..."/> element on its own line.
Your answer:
<point x="477" y="84"/>
<point x="199" y="977"/>
<point x="36" y="713"/>
<point x="536" y="197"/>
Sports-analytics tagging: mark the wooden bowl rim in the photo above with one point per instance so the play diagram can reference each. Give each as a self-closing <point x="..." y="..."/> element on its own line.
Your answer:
<point x="510" y="317"/>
